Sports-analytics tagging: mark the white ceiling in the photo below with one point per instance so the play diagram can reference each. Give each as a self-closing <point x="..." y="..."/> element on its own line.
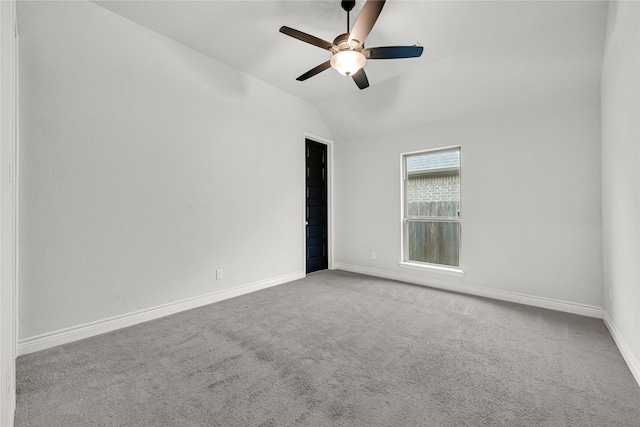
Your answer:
<point x="478" y="54"/>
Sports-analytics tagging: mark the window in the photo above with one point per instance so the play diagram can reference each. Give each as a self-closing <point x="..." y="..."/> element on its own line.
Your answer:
<point x="431" y="209"/>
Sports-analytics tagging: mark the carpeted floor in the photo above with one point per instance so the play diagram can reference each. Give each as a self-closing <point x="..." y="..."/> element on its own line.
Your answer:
<point x="337" y="349"/>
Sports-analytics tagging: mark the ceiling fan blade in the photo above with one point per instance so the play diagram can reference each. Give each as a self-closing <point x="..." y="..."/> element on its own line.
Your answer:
<point x="393" y="52"/>
<point x="312" y="72"/>
<point x="307" y="38"/>
<point x="361" y="79"/>
<point x="365" y="21"/>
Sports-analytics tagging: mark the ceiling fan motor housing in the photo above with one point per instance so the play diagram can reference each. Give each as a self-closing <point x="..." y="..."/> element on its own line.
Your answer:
<point x="342" y="43"/>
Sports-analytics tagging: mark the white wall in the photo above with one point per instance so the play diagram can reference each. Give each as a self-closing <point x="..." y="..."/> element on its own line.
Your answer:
<point x="621" y="178"/>
<point x="7" y="152"/>
<point x="144" y="166"/>
<point x="530" y="197"/>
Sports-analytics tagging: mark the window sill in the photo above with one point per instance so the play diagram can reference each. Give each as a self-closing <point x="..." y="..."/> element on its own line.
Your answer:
<point x="450" y="271"/>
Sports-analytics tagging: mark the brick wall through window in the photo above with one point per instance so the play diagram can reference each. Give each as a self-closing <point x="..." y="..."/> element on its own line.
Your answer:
<point x="441" y="188"/>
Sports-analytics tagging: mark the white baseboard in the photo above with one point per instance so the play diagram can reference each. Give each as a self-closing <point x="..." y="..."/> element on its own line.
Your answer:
<point x="552" y="304"/>
<point x="627" y="354"/>
<point x="67" y="335"/>
<point x="12" y="408"/>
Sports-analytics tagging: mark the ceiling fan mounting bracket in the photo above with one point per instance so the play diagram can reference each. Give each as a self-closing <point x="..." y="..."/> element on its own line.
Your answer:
<point x="348" y="5"/>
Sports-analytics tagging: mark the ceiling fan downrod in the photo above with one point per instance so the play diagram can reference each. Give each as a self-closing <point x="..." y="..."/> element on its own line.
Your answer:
<point x="348" y="5"/>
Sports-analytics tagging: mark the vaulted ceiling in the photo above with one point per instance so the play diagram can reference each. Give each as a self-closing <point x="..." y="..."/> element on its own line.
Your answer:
<point x="478" y="54"/>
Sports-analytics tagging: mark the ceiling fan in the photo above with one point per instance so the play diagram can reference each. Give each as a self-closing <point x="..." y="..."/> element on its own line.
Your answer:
<point x="349" y="53"/>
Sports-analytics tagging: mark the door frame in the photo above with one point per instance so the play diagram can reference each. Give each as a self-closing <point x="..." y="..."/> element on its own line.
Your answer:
<point x="329" y="144"/>
<point x="8" y="208"/>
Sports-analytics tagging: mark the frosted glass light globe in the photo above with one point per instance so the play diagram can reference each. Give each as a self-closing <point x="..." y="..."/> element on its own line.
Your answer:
<point x="348" y="62"/>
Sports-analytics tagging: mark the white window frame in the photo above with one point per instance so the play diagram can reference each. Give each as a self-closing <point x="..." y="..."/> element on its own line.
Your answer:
<point x="405" y="219"/>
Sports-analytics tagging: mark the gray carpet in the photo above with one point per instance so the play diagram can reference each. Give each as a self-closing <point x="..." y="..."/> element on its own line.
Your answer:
<point x="337" y="349"/>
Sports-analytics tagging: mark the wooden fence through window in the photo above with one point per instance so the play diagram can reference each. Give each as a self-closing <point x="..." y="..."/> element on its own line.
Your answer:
<point x="434" y="241"/>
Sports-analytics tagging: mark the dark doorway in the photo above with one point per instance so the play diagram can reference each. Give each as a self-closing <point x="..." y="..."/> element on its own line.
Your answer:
<point x="316" y="206"/>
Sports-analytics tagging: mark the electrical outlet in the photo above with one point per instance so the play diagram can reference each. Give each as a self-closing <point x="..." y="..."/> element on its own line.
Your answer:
<point x="373" y="255"/>
<point x="219" y="274"/>
<point x="610" y="294"/>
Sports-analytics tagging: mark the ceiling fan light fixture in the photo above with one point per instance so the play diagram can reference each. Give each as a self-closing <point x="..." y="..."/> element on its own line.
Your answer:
<point x="348" y="62"/>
